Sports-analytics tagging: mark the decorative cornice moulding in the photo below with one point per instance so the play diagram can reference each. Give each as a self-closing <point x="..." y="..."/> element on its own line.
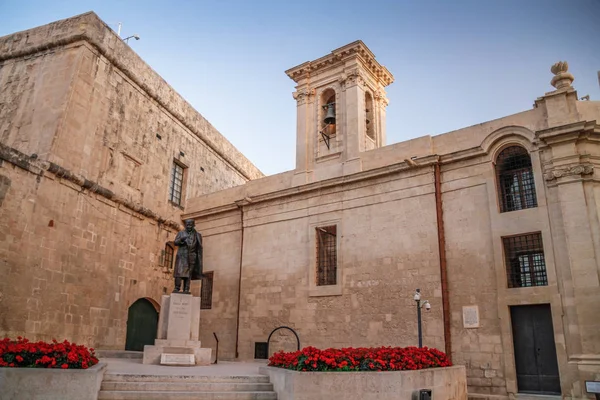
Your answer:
<point x="355" y="49"/>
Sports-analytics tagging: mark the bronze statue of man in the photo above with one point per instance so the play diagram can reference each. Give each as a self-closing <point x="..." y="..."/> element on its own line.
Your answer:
<point x="188" y="263"/>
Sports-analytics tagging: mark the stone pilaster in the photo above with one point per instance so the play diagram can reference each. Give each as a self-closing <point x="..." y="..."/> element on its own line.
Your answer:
<point x="572" y="174"/>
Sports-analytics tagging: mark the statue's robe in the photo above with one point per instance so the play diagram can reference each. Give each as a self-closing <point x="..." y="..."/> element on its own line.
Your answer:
<point x="188" y="263"/>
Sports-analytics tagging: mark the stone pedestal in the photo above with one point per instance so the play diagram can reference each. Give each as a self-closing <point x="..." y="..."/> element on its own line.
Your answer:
<point x="177" y="337"/>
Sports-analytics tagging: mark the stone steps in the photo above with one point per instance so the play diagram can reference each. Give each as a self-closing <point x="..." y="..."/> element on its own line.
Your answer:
<point x="174" y="395"/>
<point x="185" y="387"/>
<point x="120" y="377"/>
<point x="126" y="354"/>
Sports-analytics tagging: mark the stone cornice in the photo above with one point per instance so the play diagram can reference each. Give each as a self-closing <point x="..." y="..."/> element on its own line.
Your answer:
<point x="559" y="92"/>
<point x="91" y="29"/>
<point x="317" y="186"/>
<point x="569" y="132"/>
<point x="41" y="168"/>
<point x="566" y="132"/>
<point x="355" y="49"/>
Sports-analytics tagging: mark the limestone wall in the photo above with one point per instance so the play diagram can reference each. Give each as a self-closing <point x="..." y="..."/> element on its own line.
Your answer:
<point x="72" y="263"/>
<point x="388" y="248"/>
<point x="34" y="96"/>
<point x="221" y="239"/>
<point x="90" y="29"/>
<point x="88" y="135"/>
<point x="120" y="148"/>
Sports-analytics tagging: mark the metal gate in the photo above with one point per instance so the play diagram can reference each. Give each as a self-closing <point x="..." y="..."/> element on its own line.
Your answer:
<point x="535" y="350"/>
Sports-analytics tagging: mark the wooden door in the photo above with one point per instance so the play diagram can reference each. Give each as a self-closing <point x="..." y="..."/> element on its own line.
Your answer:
<point x="142" y="323"/>
<point x="535" y="349"/>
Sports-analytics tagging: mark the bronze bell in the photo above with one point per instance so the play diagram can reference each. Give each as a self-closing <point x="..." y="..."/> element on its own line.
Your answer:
<point x="330" y="117"/>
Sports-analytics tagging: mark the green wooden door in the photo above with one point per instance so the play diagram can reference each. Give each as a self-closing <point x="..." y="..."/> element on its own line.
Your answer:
<point x="142" y="323"/>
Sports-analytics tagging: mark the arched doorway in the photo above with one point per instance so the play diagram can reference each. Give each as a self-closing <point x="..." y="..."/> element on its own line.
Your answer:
<point x="142" y="323"/>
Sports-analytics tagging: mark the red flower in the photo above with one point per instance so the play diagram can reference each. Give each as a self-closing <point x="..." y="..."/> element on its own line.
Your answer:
<point x="360" y="359"/>
<point x="45" y="355"/>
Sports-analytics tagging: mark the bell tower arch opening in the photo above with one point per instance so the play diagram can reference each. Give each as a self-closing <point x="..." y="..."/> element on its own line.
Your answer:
<point x="340" y="111"/>
<point x="371" y="142"/>
<point x="327" y="120"/>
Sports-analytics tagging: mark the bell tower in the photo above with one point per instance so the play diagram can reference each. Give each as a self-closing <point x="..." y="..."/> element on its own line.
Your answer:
<point x="341" y="104"/>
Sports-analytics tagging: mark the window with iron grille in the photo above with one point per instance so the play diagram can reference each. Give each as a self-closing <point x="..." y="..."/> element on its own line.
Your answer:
<point x="261" y="350"/>
<point x="169" y="251"/>
<point x="176" y="185"/>
<point x="524" y="258"/>
<point x="326" y="255"/>
<point x="516" y="187"/>
<point x="206" y="294"/>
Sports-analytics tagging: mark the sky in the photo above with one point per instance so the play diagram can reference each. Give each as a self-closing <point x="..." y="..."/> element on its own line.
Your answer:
<point x="456" y="63"/>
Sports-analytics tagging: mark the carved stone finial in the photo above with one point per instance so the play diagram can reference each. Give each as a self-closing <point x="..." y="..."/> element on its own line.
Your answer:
<point x="562" y="79"/>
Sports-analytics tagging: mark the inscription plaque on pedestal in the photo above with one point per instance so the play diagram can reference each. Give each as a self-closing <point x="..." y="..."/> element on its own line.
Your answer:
<point x="177" y="359"/>
<point x="180" y="317"/>
<point x="177" y="334"/>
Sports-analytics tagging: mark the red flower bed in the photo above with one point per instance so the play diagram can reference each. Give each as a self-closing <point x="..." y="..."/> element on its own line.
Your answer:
<point x="360" y="359"/>
<point x="24" y="354"/>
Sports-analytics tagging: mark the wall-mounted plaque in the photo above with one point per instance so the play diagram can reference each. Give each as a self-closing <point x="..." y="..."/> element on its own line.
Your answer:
<point x="592" y="386"/>
<point x="470" y="316"/>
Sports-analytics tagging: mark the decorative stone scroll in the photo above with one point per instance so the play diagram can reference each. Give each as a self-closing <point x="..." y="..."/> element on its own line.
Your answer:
<point x="303" y="96"/>
<point x="352" y="78"/>
<point x="573" y="170"/>
<point x="381" y="98"/>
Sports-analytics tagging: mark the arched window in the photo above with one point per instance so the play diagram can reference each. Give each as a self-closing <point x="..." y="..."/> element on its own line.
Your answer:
<point x="516" y="187"/>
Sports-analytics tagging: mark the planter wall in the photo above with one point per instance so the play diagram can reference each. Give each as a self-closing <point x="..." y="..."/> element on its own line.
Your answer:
<point x="50" y="383"/>
<point x="446" y="384"/>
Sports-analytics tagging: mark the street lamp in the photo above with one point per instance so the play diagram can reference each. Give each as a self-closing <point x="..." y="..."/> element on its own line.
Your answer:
<point x="136" y="37"/>
<point x="425" y="303"/>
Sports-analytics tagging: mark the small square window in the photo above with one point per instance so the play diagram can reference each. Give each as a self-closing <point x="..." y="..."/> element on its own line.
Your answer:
<point x="261" y="350"/>
<point x="524" y="258"/>
<point x="326" y="255"/>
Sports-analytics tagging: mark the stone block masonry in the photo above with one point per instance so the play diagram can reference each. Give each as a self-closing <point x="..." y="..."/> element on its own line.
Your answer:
<point x="67" y="261"/>
<point x="89" y="134"/>
<point x="445" y="384"/>
<point x="51" y="383"/>
<point x="383" y="204"/>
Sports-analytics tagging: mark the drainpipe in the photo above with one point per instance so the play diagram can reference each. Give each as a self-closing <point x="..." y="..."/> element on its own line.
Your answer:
<point x="240" y="204"/>
<point x="442" y="252"/>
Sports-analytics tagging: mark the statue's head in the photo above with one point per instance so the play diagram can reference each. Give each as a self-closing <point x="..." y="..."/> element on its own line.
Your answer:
<point x="189" y="224"/>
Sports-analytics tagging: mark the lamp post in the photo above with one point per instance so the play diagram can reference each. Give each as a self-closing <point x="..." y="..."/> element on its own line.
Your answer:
<point x="136" y="37"/>
<point x="417" y="299"/>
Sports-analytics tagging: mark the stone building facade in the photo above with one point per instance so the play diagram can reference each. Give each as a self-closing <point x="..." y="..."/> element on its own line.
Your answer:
<point x="497" y="224"/>
<point x="90" y="139"/>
